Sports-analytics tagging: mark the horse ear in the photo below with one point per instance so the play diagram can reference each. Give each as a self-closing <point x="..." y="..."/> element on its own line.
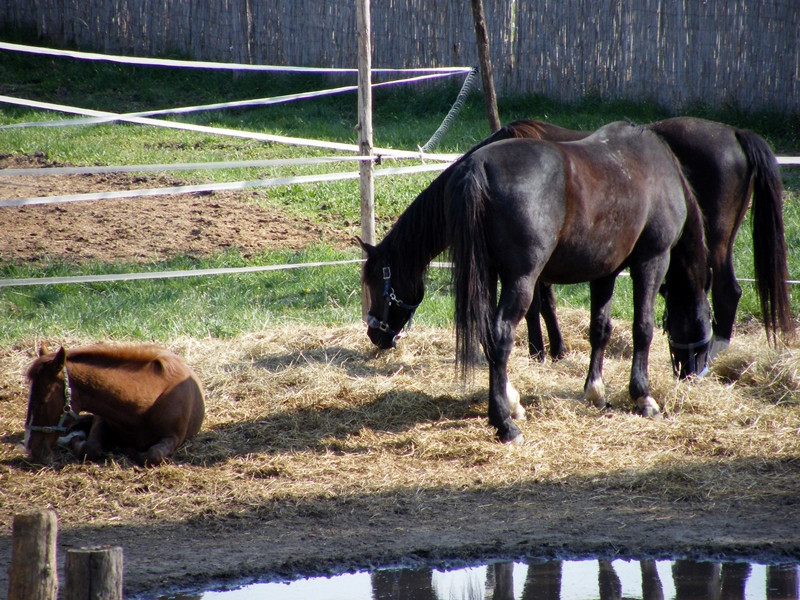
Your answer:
<point x="61" y="358"/>
<point x="368" y="248"/>
<point x="43" y="349"/>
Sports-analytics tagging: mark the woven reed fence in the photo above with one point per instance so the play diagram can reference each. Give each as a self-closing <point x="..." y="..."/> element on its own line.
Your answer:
<point x="745" y="53"/>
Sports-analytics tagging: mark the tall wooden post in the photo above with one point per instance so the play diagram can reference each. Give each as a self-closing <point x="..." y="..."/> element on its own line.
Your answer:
<point x="93" y="574"/>
<point x="33" y="574"/>
<point x="365" y="132"/>
<point x="487" y="79"/>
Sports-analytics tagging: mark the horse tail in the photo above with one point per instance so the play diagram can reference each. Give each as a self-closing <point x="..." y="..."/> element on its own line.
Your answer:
<point x="769" y="243"/>
<point x="470" y="257"/>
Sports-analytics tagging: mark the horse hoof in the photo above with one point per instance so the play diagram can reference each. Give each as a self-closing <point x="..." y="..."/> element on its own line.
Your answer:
<point x="512" y="435"/>
<point x="595" y="394"/>
<point x="648" y="408"/>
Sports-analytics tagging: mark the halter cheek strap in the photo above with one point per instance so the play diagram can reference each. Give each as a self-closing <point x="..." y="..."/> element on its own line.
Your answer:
<point x="65" y="414"/>
<point x="390" y="298"/>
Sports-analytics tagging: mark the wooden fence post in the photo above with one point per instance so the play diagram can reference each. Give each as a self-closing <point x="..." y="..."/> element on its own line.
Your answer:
<point x="93" y="574"/>
<point x="33" y="574"/>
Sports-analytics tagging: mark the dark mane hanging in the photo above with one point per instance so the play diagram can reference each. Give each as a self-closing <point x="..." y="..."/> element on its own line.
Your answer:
<point x="420" y="233"/>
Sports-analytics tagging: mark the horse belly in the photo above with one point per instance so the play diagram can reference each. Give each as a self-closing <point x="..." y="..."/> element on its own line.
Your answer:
<point x="584" y="262"/>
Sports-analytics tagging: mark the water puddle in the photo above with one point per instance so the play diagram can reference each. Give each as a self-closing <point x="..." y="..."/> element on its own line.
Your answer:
<point x="538" y="580"/>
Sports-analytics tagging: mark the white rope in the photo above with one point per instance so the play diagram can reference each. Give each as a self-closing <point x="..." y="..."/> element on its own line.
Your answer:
<point x="788" y="160"/>
<point x="216" y="187"/>
<point x="164" y="62"/>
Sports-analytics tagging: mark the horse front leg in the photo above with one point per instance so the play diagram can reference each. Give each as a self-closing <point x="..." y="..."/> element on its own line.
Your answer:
<point x="725" y="295"/>
<point x="515" y="299"/>
<point x="602" y="291"/>
<point x="157" y="453"/>
<point x="646" y="278"/>
<point x="94" y="446"/>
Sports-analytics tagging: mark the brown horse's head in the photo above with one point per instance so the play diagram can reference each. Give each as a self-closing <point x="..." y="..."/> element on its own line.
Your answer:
<point x="49" y="412"/>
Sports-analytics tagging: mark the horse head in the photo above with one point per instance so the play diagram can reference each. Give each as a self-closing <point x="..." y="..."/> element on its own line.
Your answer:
<point x="392" y="297"/>
<point x="49" y="409"/>
<point x="687" y="323"/>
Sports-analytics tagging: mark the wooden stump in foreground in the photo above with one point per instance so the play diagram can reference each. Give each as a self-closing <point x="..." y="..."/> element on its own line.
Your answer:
<point x="93" y="574"/>
<point x="33" y="574"/>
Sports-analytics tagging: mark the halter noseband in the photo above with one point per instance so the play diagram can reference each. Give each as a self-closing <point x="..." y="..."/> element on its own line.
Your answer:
<point x="390" y="298"/>
<point x="66" y="413"/>
<point x="690" y="348"/>
<point x="692" y="354"/>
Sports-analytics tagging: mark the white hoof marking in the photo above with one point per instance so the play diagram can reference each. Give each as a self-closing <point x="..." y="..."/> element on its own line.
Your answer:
<point x="514" y="406"/>
<point x="648" y="407"/>
<point x="595" y="393"/>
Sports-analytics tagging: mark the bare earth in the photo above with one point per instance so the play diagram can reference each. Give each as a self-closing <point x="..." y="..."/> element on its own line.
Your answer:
<point x="468" y="522"/>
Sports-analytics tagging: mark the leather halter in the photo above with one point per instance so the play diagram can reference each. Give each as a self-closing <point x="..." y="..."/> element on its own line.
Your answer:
<point x="65" y="414"/>
<point x="390" y="298"/>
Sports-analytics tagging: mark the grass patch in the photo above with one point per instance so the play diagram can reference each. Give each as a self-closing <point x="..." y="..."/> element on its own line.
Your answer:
<point x="225" y="306"/>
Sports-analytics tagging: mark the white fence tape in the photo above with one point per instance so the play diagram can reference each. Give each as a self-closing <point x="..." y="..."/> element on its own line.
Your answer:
<point x="110" y="277"/>
<point x="220" y="105"/>
<point x="187" y="64"/>
<point x="199" y="166"/>
<point x="217" y="130"/>
<point x="216" y="187"/>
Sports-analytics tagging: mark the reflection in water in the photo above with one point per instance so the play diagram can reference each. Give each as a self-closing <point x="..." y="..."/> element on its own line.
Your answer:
<point x="540" y="580"/>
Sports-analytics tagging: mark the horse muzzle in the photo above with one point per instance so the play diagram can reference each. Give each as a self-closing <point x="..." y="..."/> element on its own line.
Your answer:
<point x="383" y="339"/>
<point x="690" y="360"/>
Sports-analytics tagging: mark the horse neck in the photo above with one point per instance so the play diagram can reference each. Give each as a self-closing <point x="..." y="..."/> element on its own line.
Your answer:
<point x="689" y="261"/>
<point x="94" y="390"/>
<point x="420" y="234"/>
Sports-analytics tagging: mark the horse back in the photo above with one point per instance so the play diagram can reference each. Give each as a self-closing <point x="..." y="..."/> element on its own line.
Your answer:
<point x="623" y="185"/>
<point x="148" y="389"/>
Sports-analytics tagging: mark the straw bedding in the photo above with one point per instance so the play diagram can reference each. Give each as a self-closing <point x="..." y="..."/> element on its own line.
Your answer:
<point x="319" y="454"/>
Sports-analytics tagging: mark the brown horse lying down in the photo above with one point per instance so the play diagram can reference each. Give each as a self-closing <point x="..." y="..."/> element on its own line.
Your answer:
<point x="143" y="399"/>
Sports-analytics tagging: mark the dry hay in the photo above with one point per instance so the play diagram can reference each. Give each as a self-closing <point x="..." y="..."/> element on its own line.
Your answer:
<point x="298" y="415"/>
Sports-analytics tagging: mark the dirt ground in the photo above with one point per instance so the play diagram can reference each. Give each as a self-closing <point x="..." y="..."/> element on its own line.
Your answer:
<point x="476" y="519"/>
<point x="132" y="230"/>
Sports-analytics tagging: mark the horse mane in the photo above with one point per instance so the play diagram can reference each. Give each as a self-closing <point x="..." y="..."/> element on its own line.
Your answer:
<point x="420" y="233"/>
<point x="425" y="216"/>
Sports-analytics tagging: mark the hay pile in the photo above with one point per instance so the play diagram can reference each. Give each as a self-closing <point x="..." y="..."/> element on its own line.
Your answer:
<point x="299" y="413"/>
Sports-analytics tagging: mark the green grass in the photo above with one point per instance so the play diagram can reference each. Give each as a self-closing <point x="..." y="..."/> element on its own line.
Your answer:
<point x="225" y="306"/>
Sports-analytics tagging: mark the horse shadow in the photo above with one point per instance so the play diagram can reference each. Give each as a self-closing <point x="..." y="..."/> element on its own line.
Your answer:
<point x="328" y="426"/>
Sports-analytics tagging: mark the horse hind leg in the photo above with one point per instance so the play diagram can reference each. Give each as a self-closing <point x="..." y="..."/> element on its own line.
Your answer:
<point x="544" y="305"/>
<point x="548" y="309"/>
<point x="600" y="327"/>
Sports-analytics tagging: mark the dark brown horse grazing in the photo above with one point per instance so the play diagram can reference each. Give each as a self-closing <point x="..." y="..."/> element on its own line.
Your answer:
<point x="522" y="210"/>
<point x="145" y="400"/>
<point x="726" y="166"/>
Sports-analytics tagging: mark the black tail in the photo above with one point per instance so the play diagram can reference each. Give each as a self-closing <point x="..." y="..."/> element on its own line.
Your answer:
<point x="769" y="243"/>
<point x="474" y="296"/>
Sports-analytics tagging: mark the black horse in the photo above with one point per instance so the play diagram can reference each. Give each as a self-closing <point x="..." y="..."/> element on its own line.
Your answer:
<point x="521" y="211"/>
<point x="725" y="166"/>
